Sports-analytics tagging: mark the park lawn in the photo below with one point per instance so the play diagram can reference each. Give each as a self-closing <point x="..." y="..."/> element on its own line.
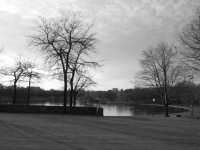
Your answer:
<point x="50" y="132"/>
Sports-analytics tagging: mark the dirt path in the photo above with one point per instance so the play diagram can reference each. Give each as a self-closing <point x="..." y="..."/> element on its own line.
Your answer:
<point x="50" y="132"/>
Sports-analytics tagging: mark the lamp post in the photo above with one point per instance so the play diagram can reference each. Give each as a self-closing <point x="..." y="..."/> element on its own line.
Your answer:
<point x="192" y="108"/>
<point x="191" y="77"/>
<point x="153" y="106"/>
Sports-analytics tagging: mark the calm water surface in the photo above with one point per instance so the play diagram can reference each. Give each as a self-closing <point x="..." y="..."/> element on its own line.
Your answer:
<point x="126" y="109"/>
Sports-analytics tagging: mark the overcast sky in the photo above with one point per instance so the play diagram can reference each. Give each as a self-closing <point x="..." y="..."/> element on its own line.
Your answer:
<point x="125" y="28"/>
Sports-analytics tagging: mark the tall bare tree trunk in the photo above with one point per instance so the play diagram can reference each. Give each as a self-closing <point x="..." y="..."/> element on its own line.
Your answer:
<point x="166" y="110"/>
<point x="29" y="87"/>
<point x="71" y="92"/>
<point x="72" y="88"/>
<point x="65" y="95"/>
<point x="74" y="100"/>
<point x="166" y="93"/>
<point x="15" y="93"/>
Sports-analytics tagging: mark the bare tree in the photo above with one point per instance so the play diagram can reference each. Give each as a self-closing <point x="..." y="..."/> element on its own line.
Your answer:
<point x="60" y="38"/>
<point x="80" y="83"/>
<point x="31" y="74"/>
<point x="160" y="70"/>
<point x="189" y="38"/>
<point x="77" y="70"/>
<point x="15" y="72"/>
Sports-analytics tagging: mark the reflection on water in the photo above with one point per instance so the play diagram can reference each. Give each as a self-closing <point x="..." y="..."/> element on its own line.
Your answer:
<point x="115" y="110"/>
<point x="125" y="109"/>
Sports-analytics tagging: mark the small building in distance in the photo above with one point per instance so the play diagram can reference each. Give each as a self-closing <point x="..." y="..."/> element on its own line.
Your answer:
<point x="115" y="89"/>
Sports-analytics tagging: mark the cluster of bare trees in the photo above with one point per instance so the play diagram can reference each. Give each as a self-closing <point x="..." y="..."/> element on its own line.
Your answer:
<point x="21" y="71"/>
<point x="165" y="65"/>
<point x="66" y="41"/>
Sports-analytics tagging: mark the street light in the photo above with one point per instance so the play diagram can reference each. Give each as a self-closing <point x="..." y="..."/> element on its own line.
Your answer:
<point x="192" y="108"/>
<point x="191" y="77"/>
<point x="153" y="106"/>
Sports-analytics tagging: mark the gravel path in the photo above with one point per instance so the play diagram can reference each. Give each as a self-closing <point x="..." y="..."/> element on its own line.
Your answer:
<point x="55" y="132"/>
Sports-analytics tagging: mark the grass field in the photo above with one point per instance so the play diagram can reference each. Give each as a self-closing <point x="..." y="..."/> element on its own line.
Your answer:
<point x="54" y="132"/>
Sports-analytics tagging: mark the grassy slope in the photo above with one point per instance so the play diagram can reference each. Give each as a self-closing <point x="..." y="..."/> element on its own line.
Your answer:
<point x="50" y="132"/>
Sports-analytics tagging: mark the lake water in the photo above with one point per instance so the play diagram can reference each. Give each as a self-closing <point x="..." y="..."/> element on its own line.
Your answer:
<point x="126" y="109"/>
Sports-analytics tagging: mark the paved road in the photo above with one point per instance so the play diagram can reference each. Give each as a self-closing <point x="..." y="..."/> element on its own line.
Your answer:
<point x="50" y="132"/>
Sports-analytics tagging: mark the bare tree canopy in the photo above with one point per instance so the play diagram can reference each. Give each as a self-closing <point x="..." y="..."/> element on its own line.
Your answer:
<point x="61" y="39"/>
<point x="80" y="81"/>
<point x="189" y="38"/>
<point x="78" y="70"/>
<point x="15" y="72"/>
<point x="31" y="75"/>
<point x="160" y="70"/>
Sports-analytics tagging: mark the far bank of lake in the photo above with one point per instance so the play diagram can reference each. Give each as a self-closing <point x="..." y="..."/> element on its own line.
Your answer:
<point x="126" y="109"/>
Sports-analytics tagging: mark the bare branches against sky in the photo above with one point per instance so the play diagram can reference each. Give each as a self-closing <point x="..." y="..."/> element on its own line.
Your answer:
<point x="124" y="28"/>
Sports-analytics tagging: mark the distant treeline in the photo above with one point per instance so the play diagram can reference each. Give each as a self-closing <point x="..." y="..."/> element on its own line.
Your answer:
<point x="36" y="94"/>
<point x="182" y="95"/>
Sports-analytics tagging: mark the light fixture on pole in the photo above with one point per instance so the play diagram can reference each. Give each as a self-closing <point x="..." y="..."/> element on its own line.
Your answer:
<point x="153" y="106"/>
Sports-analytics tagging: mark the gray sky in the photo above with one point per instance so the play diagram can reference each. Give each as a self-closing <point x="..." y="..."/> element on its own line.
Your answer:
<point x="125" y="28"/>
